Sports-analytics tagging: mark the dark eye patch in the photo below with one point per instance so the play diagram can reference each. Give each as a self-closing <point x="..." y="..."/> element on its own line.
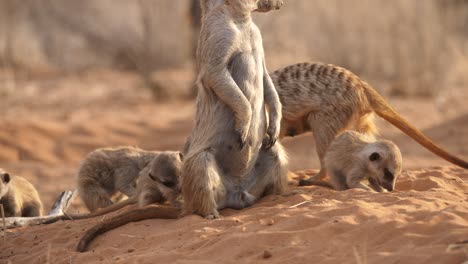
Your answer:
<point x="388" y="175"/>
<point x="168" y="184"/>
<point x="374" y="156"/>
<point x="6" y="178"/>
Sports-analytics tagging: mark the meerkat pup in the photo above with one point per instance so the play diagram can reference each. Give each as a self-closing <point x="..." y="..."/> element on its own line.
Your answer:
<point x="326" y="100"/>
<point x="224" y="165"/>
<point x="353" y="158"/>
<point x="18" y="196"/>
<point x="158" y="182"/>
<point x="107" y="171"/>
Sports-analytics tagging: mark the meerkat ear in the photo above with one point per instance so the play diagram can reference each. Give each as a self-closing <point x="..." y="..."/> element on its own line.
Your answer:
<point x="374" y="156"/>
<point x="6" y="178"/>
<point x="181" y="156"/>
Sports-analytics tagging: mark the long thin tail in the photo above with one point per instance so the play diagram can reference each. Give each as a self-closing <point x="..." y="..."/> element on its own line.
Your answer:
<point x="140" y="214"/>
<point x="309" y="182"/>
<point x="384" y="110"/>
<point x="103" y="211"/>
<point x="112" y="208"/>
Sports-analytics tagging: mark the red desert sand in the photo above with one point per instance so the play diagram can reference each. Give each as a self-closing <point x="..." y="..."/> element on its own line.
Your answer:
<point x="43" y="139"/>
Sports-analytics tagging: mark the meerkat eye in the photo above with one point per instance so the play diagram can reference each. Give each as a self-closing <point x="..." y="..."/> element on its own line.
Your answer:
<point x="152" y="177"/>
<point x="181" y="156"/>
<point x="388" y="175"/>
<point x="168" y="184"/>
<point x="6" y="178"/>
<point x="374" y="156"/>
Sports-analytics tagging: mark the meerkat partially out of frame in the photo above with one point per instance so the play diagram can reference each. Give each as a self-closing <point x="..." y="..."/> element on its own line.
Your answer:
<point x="326" y="100"/>
<point x="107" y="171"/>
<point x="224" y="165"/>
<point x="353" y="158"/>
<point x="18" y="196"/>
<point x="157" y="182"/>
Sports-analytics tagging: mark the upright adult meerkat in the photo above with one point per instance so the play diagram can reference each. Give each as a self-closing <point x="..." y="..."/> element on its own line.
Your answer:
<point x="231" y="122"/>
<point x="353" y="158"/>
<point x="107" y="171"/>
<point x="18" y="196"/>
<point x="326" y="100"/>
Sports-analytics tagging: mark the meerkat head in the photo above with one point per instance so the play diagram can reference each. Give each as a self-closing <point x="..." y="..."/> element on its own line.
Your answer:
<point x="248" y="6"/>
<point x="5" y="179"/>
<point x="268" y="5"/>
<point x="384" y="163"/>
<point x="165" y="171"/>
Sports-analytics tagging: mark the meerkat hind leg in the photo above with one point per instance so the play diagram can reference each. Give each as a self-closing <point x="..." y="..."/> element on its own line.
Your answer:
<point x="202" y="187"/>
<point x="270" y="172"/>
<point x="93" y="196"/>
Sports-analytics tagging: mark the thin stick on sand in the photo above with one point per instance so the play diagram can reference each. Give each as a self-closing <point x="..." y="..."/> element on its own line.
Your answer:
<point x="4" y="222"/>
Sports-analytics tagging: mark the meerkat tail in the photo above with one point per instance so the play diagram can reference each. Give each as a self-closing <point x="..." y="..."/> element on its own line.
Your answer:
<point x="112" y="208"/>
<point x="103" y="211"/>
<point x="316" y="183"/>
<point x="140" y="214"/>
<point x="384" y="110"/>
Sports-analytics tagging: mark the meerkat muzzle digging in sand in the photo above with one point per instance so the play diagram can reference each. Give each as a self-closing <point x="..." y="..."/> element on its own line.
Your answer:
<point x="353" y="158"/>
<point x="326" y="100"/>
<point x="18" y="196"/>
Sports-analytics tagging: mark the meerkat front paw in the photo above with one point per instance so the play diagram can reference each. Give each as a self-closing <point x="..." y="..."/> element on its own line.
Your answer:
<point x="271" y="137"/>
<point x="212" y="216"/>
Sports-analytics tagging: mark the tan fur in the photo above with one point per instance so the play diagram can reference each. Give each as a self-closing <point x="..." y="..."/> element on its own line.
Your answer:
<point x="224" y="166"/>
<point x="353" y="158"/>
<point x="326" y="100"/>
<point x="18" y="196"/>
<point x="107" y="171"/>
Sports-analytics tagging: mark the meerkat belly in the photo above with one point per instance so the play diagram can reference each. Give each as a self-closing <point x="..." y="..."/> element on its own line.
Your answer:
<point x="246" y="69"/>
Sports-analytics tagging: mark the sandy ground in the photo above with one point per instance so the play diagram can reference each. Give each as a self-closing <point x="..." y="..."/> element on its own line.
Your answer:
<point x="49" y="125"/>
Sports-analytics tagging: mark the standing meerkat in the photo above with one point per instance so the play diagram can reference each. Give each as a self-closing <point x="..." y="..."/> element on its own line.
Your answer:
<point x="353" y="158"/>
<point x="107" y="171"/>
<point x="326" y="100"/>
<point x="231" y="122"/>
<point x="18" y="196"/>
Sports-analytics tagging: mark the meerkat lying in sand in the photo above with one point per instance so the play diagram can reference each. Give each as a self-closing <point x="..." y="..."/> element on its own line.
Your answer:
<point x="353" y="158"/>
<point x="326" y="100"/>
<point x="107" y="171"/>
<point x="18" y="196"/>
<point x="158" y="182"/>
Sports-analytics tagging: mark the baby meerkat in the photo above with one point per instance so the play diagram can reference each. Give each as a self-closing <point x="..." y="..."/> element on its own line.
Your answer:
<point x="353" y="158"/>
<point x="18" y="196"/>
<point x="157" y="182"/>
<point x="107" y="171"/>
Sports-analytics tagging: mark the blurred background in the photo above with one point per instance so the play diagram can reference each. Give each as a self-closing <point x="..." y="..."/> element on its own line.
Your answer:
<point x="78" y="75"/>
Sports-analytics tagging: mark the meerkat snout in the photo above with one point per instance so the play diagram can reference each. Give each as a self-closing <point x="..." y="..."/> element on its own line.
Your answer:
<point x="388" y="180"/>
